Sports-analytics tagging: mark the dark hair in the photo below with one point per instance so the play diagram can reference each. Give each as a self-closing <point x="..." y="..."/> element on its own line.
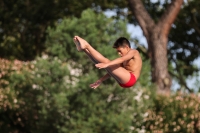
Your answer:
<point x="120" y="42"/>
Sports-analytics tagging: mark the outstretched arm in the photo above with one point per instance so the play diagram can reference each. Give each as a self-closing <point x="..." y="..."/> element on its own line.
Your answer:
<point x="98" y="82"/>
<point x="120" y="60"/>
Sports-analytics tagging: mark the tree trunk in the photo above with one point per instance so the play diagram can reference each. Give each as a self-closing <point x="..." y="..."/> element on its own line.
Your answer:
<point x="156" y="35"/>
<point x="159" y="62"/>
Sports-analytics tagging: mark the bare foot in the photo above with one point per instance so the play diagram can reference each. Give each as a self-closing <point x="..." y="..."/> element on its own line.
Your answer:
<point x="83" y="44"/>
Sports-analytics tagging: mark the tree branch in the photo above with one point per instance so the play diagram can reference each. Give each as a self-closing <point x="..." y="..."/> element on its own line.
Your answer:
<point x="142" y="16"/>
<point x="142" y="48"/>
<point x="180" y="77"/>
<point x="169" y="16"/>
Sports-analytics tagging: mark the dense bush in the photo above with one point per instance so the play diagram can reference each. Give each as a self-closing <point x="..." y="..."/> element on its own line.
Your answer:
<point x="29" y="92"/>
<point x="42" y="98"/>
<point x="177" y="113"/>
<point x="39" y="97"/>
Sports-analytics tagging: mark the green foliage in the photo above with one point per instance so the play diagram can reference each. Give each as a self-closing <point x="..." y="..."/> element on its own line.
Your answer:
<point x="45" y="100"/>
<point x="145" y="75"/>
<point x="185" y="51"/>
<point x="43" y="96"/>
<point x="97" y="29"/>
<point x="39" y="100"/>
<point x="23" y="23"/>
<point x="35" y="94"/>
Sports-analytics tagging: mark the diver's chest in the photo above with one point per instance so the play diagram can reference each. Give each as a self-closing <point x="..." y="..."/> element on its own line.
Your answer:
<point x="128" y="63"/>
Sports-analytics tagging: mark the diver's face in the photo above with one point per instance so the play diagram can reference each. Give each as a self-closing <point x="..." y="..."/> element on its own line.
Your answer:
<point x="122" y="50"/>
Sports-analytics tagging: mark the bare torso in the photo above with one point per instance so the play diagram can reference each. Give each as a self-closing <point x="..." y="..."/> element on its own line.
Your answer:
<point x="134" y="65"/>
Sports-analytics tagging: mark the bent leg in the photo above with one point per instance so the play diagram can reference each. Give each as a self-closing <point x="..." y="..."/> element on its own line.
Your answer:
<point x="107" y="69"/>
<point x="95" y="62"/>
<point x="120" y="74"/>
<point x="91" y="58"/>
<point x="91" y="51"/>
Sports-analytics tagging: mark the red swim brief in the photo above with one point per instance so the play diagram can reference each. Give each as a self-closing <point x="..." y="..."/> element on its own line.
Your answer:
<point x="130" y="83"/>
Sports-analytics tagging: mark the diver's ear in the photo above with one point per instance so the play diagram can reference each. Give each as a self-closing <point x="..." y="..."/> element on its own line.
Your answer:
<point x="126" y="46"/>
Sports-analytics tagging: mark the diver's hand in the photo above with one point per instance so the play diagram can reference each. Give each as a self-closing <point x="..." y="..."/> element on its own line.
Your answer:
<point x="101" y="65"/>
<point x="95" y="84"/>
